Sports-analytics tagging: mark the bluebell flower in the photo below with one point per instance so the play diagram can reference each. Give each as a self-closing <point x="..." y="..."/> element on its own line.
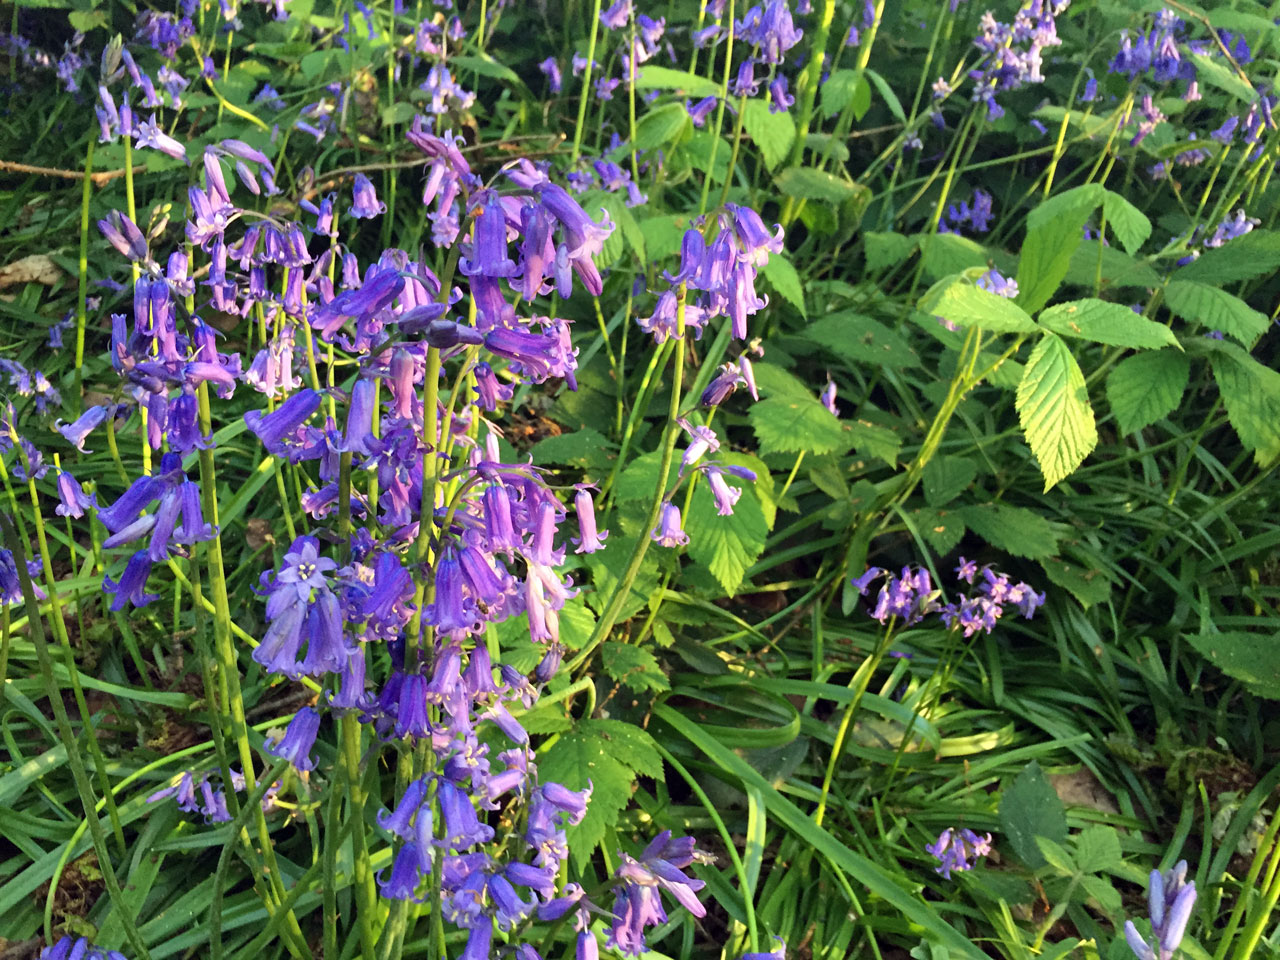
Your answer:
<point x="780" y="101"/>
<point x="1170" y="900"/>
<point x="777" y="953"/>
<point x="552" y="71"/>
<point x="149" y="134"/>
<point x="10" y="584"/>
<point x="78" y="948"/>
<point x="73" y="501"/>
<point x="993" y="282"/>
<point x="278" y="430"/>
<point x="639" y="904"/>
<point x="365" y="202"/>
<point x="462" y="829"/>
<point x="131" y="587"/>
<point x="616" y="16"/>
<point x="591" y="539"/>
<point x="668" y="532"/>
<point x="958" y="850"/>
<point x="405" y="875"/>
<point x="123" y="234"/>
<point x="296" y="742"/>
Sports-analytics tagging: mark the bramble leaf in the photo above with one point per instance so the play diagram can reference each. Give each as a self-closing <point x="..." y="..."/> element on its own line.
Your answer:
<point x="1053" y="407"/>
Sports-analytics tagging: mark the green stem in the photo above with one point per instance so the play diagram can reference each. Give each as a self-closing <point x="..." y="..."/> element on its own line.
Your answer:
<point x="78" y="773"/>
<point x="82" y="272"/>
<point x="671" y="433"/>
<point x="724" y="97"/>
<point x="586" y="85"/>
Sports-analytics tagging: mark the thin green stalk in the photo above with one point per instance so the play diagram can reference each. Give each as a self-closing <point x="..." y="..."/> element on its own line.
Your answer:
<point x="671" y="433"/>
<point x="65" y="734"/>
<point x="723" y="98"/>
<point x="1269" y="898"/>
<point x="82" y="272"/>
<point x="586" y="85"/>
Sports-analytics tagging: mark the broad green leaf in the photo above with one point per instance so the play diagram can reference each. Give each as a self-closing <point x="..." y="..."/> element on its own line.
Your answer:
<point x="728" y="545"/>
<point x="1251" y="394"/>
<point x="873" y="440"/>
<point x="681" y="81"/>
<point x="943" y="254"/>
<point x="773" y="381"/>
<point x="590" y="755"/>
<point x="806" y="183"/>
<point x="1053" y="407"/>
<point x="1146" y="387"/>
<point x="966" y="305"/>
<point x="887" y="95"/>
<point x="1216" y="310"/>
<point x="1056" y="855"/>
<point x="86" y="20"/>
<point x="1098" y="849"/>
<point x="663" y="235"/>
<point x="586" y="448"/>
<point x="797" y="424"/>
<point x="863" y="340"/>
<point x="1109" y="323"/>
<point x="845" y="88"/>
<point x="1100" y="889"/>
<point x="1251" y="658"/>
<point x="785" y="813"/>
<point x="1255" y="254"/>
<point x="1054" y="231"/>
<point x="662" y="125"/>
<point x="1089" y="587"/>
<point x="946" y="477"/>
<point x="884" y="250"/>
<point x="1028" y="809"/>
<point x="1014" y="530"/>
<point x="634" y="667"/>
<point x="1211" y="70"/>
<point x="783" y="278"/>
<point x="1130" y="225"/>
<point x="486" y="66"/>
<point x="943" y="529"/>
<point x="773" y="133"/>
<point x="1093" y="263"/>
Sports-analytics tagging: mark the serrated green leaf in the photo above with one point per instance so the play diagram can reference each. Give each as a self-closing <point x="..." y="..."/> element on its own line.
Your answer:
<point x="1056" y="855"/>
<point x="783" y="278"/>
<point x="1255" y="254"/>
<point x="728" y="545"/>
<point x="1054" y="231"/>
<point x="583" y="758"/>
<point x="942" y="528"/>
<point x="794" y="424"/>
<point x="662" y="125"/>
<point x="946" y="477"/>
<point x="884" y="250"/>
<point x="652" y="77"/>
<point x="1110" y="323"/>
<point x="1251" y="658"/>
<point x="773" y="381"/>
<point x="773" y="133"/>
<point x="663" y="235"/>
<point x="1108" y="267"/>
<point x="1213" y="72"/>
<point x="629" y="744"/>
<point x="1216" y="309"/>
<point x="1028" y="809"/>
<point x="1130" y="225"/>
<point x="585" y="447"/>
<point x="845" y="88"/>
<point x="1251" y="394"/>
<point x="806" y="183"/>
<point x="873" y="440"/>
<point x="634" y="667"/>
<point x="1014" y="530"/>
<point x="1089" y="587"/>
<point x="863" y="340"/>
<point x="1098" y="849"/>
<point x="943" y="254"/>
<point x="1101" y="890"/>
<point x="1145" y="387"/>
<point x="966" y="305"/>
<point x="1053" y="408"/>
<point x="887" y="95"/>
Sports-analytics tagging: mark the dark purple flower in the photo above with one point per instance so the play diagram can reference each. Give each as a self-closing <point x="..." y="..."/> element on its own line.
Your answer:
<point x="365" y="202"/>
<point x="131" y="587"/>
<point x="296" y="742"/>
<point x="668" y="532"/>
<point x="552" y="71"/>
